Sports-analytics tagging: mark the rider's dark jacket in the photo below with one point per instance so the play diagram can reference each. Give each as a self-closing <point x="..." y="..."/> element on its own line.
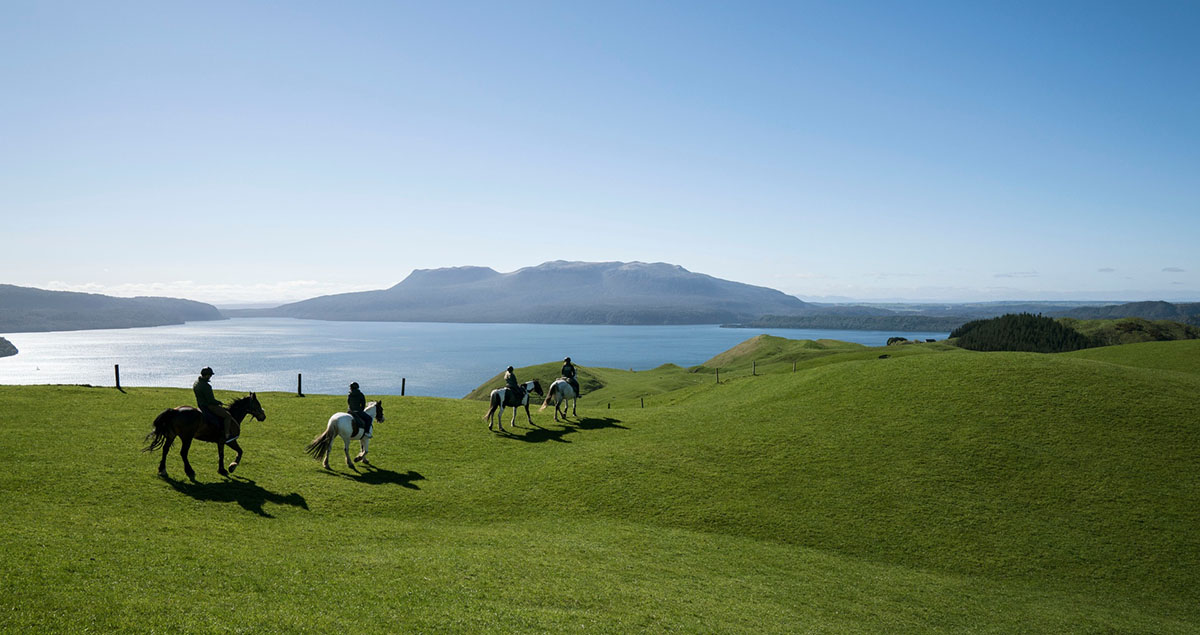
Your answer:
<point x="204" y="393"/>
<point x="356" y="401"/>
<point x="568" y="370"/>
<point x="510" y="380"/>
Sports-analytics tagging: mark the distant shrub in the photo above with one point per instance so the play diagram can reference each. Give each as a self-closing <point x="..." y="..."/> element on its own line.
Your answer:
<point x="896" y="340"/>
<point x="1020" y="332"/>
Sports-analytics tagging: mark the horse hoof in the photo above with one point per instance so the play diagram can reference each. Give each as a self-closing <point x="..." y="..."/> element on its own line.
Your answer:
<point x="223" y="472"/>
<point x="232" y="467"/>
<point x="162" y="474"/>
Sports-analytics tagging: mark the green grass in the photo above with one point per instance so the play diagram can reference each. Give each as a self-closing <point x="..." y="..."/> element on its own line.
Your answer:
<point x="933" y="490"/>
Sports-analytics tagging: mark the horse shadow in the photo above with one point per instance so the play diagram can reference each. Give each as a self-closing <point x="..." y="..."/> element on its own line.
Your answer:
<point x="538" y="434"/>
<point x="372" y="475"/>
<point x="243" y="491"/>
<point x="598" y="423"/>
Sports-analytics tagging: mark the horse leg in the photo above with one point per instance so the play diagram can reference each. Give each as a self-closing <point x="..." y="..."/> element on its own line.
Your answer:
<point x="346" y="449"/>
<point x="362" y="456"/>
<point x="575" y="402"/>
<point x="221" y="453"/>
<point x="185" y="443"/>
<point x="237" y="459"/>
<point x="162" y="465"/>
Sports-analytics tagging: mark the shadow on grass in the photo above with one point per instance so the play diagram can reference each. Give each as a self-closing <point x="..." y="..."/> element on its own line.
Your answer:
<point x="594" y="423"/>
<point x="372" y="475"/>
<point x="538" y="434"/>
<point x="242" y="491"/>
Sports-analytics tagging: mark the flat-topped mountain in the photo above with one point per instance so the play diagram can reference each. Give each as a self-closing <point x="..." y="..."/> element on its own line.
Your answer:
<point x="556" y="292"/>
<point x="26" y="309"/>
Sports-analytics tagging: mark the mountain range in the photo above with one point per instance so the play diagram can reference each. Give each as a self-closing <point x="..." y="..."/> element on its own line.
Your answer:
<point x="556" y="292"/>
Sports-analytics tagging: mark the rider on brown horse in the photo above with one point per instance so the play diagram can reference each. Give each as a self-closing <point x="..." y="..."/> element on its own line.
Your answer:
<point x="208" y="403"/>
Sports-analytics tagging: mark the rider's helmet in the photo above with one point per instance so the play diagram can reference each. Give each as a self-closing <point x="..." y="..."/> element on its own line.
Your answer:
<point x="509" y="369"/>
<point x="567" y="360"/>
<point x="206" y="371"/>
<point x="354" y="385"/>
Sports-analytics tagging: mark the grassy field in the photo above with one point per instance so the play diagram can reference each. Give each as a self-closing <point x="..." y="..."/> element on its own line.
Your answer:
<point x="931" y="490"/>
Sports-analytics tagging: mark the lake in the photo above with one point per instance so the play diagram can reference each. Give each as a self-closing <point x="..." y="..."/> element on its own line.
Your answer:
<point x="436" y="359"/>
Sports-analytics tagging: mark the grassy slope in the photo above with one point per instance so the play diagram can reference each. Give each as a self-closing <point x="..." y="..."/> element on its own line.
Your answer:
<point x="923" y="492"/>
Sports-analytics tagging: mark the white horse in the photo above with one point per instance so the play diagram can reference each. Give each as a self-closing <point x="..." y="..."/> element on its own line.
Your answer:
<point x="501" y="397"/>
<point x="561" y="391"/>
<point x="341" y="424"/>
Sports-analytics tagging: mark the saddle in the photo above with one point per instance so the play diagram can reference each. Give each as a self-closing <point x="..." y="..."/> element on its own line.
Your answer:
<point x="361" y="421"/>
<point x="513" y="398"/>
<point x="217" y="425"/>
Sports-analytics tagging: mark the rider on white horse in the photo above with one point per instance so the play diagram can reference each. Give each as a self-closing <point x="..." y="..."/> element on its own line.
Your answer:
<point x="514" y="387"/>
<point x="568" y="373"/>
<point x="356" y="403"/>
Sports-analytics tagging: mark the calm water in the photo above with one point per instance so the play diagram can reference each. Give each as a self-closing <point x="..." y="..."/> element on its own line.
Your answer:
<point x="439" y="360"/>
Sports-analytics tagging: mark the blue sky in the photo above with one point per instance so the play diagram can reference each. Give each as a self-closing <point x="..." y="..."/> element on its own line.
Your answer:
<point x="951" y="151"/>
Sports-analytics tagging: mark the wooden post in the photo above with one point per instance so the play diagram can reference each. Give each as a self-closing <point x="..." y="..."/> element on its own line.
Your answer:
<point x="117" y="372"/>
<point x="403" y="380"/>
<point x="793" y="366"/>
<point x="753" y="368"/>
<point x="299" y="384"/>
<point x="643" y="402"/>
<point x="718" y="375"/>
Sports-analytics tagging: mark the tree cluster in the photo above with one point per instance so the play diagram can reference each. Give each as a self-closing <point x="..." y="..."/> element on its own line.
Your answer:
<point x="1020" y="332"/>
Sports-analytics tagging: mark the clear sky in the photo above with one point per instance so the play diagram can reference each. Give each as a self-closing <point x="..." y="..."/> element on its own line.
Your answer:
<point x="268" y="151"/>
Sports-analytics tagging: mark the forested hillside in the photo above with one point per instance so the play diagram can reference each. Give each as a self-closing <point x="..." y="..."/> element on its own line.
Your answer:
<point x="25" y="309"/>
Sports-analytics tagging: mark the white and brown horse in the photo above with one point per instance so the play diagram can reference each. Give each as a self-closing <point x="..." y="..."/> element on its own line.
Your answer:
<point x="560" y="392"/>
<point x="502" y="397"/>
<point x="343" y="424"/>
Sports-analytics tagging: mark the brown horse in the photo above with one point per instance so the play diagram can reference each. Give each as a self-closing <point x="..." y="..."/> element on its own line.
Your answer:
<point x="189" y="423"/>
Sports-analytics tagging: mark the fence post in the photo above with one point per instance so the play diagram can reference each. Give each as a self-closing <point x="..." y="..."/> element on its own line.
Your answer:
<point x="718" y="375"/>
<point x="117" y="372"/>
<point x="299" y="384"/>
<point x="403" y="380"/>
<point x="643" y="402"/>
<point x="793" y="366"/>
<point x="753" y="368"/>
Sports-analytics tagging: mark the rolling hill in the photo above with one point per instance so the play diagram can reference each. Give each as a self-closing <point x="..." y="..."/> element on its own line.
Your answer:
<point x="916" y="488"/>
<point x="553" y="292"/>
<point x="26" y="309"/>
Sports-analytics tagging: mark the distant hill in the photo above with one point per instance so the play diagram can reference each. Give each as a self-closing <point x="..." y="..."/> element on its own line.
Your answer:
<point x="1187" y="313"/>
<point x="551" y="293"/>
<point x="1043" y="334"/>
<point x="947" y="317"/>
<point x="6" y="348"/>
<point x="26" y="309"/>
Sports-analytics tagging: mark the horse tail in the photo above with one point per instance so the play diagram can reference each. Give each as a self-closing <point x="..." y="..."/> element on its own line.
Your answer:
<point x="319" y="448"/>
<point x="549" y="396"/>
<point x="495" y="404"/>
<point x="158" y="431"/>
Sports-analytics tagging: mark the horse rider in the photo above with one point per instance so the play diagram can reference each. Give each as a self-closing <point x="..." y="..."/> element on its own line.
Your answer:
<point x="568" y="373"/>
<point x="510" y="381"/>
<point x="356" y="403"/>
<point x="207" y="402"/>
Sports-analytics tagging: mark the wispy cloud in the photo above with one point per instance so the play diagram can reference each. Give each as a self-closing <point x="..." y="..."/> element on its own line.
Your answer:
<point x="1106" y="270"/>
<point x="1173" y="270"/>
<point x="1018" y="274"/>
